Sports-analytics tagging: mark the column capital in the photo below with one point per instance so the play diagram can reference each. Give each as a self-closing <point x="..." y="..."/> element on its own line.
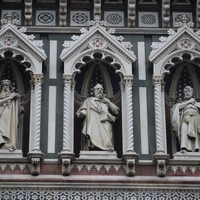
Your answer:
<point x="158" y="80"/>
<point x="38" y="78"/>
<point x="128" y="79"/>
<point x="69" y="79"/>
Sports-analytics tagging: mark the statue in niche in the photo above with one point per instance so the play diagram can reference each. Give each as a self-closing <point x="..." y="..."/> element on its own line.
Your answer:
<point x="98" y="114"/>
<point x="9" y="112"/>
<point x="186" y="122"/>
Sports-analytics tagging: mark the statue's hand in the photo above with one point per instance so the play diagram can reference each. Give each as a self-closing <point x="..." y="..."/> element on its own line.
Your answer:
<point x="82" y="113"/>
<point x="105" y="100"/>
<point x="191" y="101"/>
<point x="15" y="96"/>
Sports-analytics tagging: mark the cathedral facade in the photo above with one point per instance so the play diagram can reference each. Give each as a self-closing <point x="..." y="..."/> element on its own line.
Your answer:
<point x="139" y="138"/>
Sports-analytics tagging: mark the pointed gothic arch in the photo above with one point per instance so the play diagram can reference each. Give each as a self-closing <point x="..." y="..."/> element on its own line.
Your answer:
<point x="110" y="51"/>
<point x="22" y="57"/>
<point x="175" y="64"/>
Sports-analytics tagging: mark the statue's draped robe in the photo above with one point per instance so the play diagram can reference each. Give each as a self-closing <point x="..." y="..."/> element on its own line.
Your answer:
<point x="9" y="123"/>
<point x="97" y="123"/>
<point x="186" y="125"/>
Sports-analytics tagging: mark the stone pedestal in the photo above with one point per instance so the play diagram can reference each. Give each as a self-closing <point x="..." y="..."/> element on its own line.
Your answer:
<point x="5" y="153"/>
<point x="184" y="156"/>
<point x="105" y="155"/>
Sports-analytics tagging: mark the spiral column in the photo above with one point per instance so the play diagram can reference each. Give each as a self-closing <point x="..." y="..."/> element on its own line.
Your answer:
<point x="67" y="113"/>
<point x="66" y="156"/>
<point x="35" y="155"/>
<point x="160" y="137"/>
<point x="128" y="81"/>
<point x="37" y="78"/>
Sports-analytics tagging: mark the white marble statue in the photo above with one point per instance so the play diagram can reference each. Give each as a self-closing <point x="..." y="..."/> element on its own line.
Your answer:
<point x="99" y="114"/>
<point x="9" y="105"/>
<point x="186" y="122"/>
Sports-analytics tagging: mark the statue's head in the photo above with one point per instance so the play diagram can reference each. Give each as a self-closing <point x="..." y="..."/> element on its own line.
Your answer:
<point x="188" y="92"/>
<point x="98" y="90"/>
<point x="6" y="86"/>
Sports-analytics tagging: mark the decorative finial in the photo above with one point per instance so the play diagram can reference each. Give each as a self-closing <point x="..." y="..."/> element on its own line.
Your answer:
<point x="184" y="21"/>
<point x="97" y="21"/>
<point x="9" y="19"/>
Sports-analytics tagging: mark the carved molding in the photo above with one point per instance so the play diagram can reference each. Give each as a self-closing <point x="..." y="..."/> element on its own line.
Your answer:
<point x="131" y="13"/>
<point x="63" y="13"/>
<point x="166" y="13"/>
<point x="28" y="12"/>
<point x="130" y="167"/>
<point x="14" y="166"/>
<point x="66" y="166"/>
<point x="161" y="160"/>
<point x="97" y="7"/>
<point x="35" y="166"/>
<point x="35" y="159"/>
<point x="130" y="158"/>
<point x="161" y="168"/>
<point x="99" y="167"/>
<point x="65" y="158"/>
<point x="192" y="168"/>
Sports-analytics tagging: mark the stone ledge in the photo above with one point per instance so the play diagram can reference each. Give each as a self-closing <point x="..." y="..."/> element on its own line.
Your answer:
<point x="98" y="155"/>
<point x="6" y="154"/>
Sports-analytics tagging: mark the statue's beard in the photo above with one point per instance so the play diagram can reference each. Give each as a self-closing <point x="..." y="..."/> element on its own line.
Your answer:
<point x="188" y="96"/>
<point x="99" y="95"/>
<point x="5" y="93"/>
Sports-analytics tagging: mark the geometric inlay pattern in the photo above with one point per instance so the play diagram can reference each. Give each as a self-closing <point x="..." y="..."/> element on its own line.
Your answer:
<point x="100" y="194"/>
<point x="177" y="16"/>
<point x="147" y="2"/>
<point x="16" y="14"/>
<point x="148" y="19"/>
<point x="45" y="18"/>
<point x="181" y="2"/>
<point x="114" y="18"/>
<point x="79" y="18"/>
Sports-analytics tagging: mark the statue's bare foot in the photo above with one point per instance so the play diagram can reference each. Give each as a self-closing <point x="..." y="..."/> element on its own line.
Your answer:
<point x="8" y="147"/>
<point x="110" y="150"/>
<point x="182" y="151"/>
<point x="11" y="149"/>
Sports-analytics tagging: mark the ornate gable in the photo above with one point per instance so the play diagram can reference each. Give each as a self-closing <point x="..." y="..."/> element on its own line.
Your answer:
<point x="114" y="52"/>
<point x="16" y="41"/>
<point x="97" y="39"/>
<point x="179" y="42"/>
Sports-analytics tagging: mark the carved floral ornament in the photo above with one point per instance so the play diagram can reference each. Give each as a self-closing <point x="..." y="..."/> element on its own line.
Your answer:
<point x="11" y="38"/>
<point x="186" y="44"/>
<point x="184" y="40"/>
<point x="99" y="41"/>
<point x="8" y="41"/>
